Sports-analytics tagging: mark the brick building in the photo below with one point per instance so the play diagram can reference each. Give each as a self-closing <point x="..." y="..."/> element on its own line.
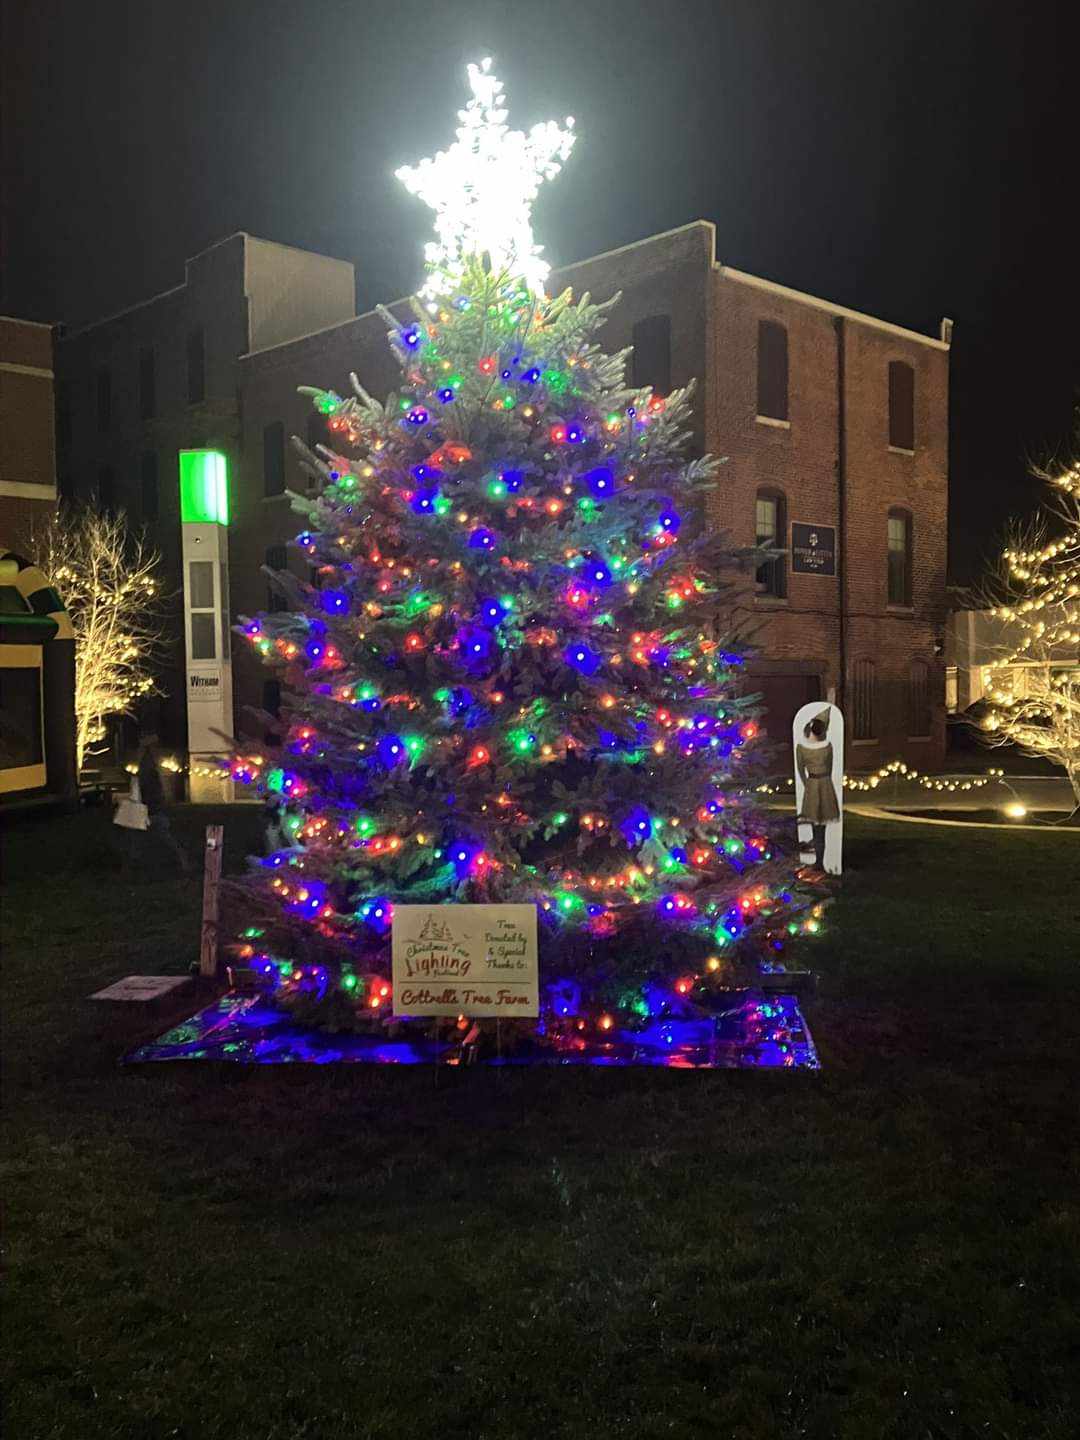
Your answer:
<point x="834" y="426"/>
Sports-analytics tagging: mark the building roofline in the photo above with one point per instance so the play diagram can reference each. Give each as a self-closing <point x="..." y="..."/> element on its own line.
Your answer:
<point x="571" y="265"/>
<point x="299" y="249"/>
<point x="727" y="272"/>
<point x="37" y="324"/>
<point x="119" y="314"/>
<point x="173" y="289"/>
<point x="314" y="334"/>
<point x="645" y="240"/>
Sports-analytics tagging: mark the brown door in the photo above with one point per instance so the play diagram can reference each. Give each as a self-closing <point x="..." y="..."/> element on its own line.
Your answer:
<point x="782" y="696"/>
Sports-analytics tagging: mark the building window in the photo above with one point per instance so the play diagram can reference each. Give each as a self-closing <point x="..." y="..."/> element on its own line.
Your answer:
<point x="952" y="689"/>
<point x="863" y="701"/>
<point x="652" y="354"/>
<point x="271" y="704"/>
<point x="276" y="559"/>
<point x="201" y="605"/>
<point x="147" y="383"/>
<point x="899" y="558"/>
<point x="919" y="700"/>
<point x="106" y="489"/>
<point x="104" y="399"/>
<point x="274" y="459"/>
<point x="196" y="367"/>
<point x="901" y="405"/>
<point x="772" y="370"/>
<point x="148" y="483"/>
<point x="63" y="413"/>
<point x="771" y="531"/>
<point x="271" y="697"/>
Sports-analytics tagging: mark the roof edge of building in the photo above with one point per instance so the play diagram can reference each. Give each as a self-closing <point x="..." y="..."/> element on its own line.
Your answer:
<point x="38" y="324"/>
<point x="119" y="314"/>
<point x="325" y="330"/>
<point x="743" y="276"/>
<point x="298" y="249"/>
<point x="690" y="225"/>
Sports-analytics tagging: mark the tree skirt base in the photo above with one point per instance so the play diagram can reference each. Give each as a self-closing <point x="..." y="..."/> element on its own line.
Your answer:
<point x="757" y="1031"/>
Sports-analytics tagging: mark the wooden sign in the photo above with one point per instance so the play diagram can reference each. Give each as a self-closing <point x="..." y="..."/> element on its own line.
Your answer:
<point x="144" y="990"/>
<point x="818" y="742"/>
<point x="465" y="960"/>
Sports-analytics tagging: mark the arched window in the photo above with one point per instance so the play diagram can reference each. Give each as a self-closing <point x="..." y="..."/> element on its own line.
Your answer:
<point x="770" y="522"/>
<point x="271" y="703"/>
<point x="863" y="701"/>
<point x="104" y="399"/>
<point x="772" y="371"/>
<point x="899" y="557"/>
<point x="274" y="458"/>
<point x="147" y="383"/>
<point x="901" y="405"/>
<point x="276" y="559"/>
<point x="196" y="367"/>
<point x="652" y="353"/>
<point x="919" y="699"/>
<point x="106" y="489"/>
<point x="148" y="485"/>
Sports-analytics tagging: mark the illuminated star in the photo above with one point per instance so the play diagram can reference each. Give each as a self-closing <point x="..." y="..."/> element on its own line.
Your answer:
<point x="483" y="187"/>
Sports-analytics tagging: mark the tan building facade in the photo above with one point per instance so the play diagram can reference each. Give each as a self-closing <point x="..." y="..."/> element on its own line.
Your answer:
<point x="27" y="444"/>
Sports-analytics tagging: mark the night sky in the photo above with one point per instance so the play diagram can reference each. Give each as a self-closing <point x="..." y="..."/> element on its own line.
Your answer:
<point x="911" y="160"/>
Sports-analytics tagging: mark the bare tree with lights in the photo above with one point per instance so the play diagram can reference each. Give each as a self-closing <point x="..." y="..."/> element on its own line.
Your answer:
<point x="108" y="576"/>
<point x="1034" y="688"/>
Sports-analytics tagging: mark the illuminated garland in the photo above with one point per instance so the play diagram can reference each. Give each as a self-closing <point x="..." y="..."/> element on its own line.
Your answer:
<point x="900" y="770"/>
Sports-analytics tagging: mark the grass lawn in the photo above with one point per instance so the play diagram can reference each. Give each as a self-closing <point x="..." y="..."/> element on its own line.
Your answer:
<point x="886" y="1249"/>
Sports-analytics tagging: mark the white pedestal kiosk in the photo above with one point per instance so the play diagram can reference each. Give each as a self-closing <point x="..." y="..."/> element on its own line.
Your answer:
<point x="204" y="522"/>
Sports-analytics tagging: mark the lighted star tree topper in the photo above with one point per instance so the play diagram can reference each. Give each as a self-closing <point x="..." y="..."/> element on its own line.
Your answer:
<point x="508" y="681"/>
<point x="482" y="190"/>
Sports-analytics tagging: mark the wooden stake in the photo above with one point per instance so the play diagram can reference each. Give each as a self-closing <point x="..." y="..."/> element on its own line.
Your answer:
<point x="208" y="944"/>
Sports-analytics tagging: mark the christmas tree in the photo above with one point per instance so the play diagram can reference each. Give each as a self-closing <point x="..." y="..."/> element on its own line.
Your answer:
<point x="506" y="682"/>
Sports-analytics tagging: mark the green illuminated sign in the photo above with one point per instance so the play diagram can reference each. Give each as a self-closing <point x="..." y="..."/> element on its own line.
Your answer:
<point x="204" y="487"/>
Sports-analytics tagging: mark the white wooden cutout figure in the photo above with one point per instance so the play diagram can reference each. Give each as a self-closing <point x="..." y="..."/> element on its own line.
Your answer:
<point x="818" y="741"/>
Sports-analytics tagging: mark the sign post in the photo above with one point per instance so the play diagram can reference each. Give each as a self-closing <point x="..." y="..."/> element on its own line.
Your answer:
<point x="204" y="516"/>
<point x="208" y="937"/>
<point x="472" y="960"/>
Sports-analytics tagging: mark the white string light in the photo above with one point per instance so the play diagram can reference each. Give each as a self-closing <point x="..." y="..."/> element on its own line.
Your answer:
<point x="483" y="187"/>
<point x="900" y="770"/>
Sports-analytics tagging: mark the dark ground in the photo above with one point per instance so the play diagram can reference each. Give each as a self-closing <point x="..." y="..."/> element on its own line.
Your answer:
<point x="886" y="1249"/>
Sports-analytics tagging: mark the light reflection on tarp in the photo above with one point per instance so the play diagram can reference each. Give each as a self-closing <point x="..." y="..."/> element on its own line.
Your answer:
<point x="755" y="1031"/>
